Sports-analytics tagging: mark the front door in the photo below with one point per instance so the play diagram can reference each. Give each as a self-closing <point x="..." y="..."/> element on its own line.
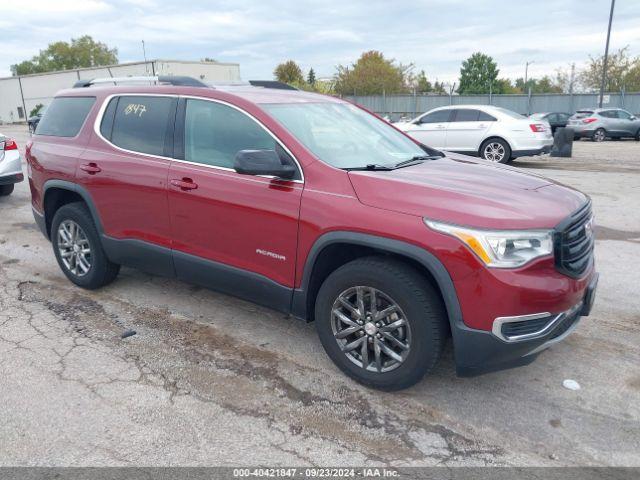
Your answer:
<point x="431" y="129"/>
<point x="232" y="232"/>
<point x="465" y="130"/>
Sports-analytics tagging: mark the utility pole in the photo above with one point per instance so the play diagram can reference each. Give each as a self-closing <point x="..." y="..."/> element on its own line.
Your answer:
<point x="606" y="55"/>
<point x="571" y="81"/>
<point x="526" y="74"/>
<point x="144" y="55"/>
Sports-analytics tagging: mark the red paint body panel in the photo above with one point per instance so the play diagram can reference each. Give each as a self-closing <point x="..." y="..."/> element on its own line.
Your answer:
<point x="229" y="217"/>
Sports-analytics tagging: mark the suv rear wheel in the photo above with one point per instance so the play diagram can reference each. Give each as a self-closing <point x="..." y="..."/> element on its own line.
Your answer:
<point x="78" y="250"/>
<point x="599" y="135"/>
<point x="495" y="150"/>
<point x="381" y="322"/>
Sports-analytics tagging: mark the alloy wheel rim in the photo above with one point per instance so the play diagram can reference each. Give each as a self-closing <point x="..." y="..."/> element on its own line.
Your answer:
<point x="599" y="135"/>
<point x="371" y="329"/>
<point x="74" y="248"/>
<point x="494" y="152"/>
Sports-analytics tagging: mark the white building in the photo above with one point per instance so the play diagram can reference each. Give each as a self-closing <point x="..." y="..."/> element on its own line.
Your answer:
<point x="19" y="95"/>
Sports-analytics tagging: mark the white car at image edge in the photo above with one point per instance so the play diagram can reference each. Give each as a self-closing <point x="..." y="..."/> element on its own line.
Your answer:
<point x="10" y="166"/>
<point x="494" y="133"/>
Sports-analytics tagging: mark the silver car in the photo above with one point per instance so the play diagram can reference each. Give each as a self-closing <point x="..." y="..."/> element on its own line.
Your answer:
<point x="600" y="123"/>
<point x="10" y="167"/>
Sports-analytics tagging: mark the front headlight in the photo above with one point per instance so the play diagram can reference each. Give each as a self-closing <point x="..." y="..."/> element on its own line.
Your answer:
<point x="500" y="248"/>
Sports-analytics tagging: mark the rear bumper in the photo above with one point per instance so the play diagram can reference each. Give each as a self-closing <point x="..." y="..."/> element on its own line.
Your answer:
<point x="11" y="178"/>
<point x="531" y="152"/>
<point x="580" y="131"/>
<point x="480" y="351"/>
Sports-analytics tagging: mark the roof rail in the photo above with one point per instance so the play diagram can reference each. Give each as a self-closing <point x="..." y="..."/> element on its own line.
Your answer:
<point x="272" y="84"/>
<point x="158" y="80"/>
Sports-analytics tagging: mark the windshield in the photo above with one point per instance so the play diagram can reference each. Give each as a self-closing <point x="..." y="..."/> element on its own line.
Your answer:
<point x="344" y="135"/>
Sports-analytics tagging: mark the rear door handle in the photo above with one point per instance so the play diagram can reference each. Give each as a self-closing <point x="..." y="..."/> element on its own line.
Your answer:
<point x="91" y="168"/>
<point x="184" y="184"/>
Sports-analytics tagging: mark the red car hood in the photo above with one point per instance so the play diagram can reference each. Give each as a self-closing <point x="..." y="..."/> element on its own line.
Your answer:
<point x="468" y="191"/>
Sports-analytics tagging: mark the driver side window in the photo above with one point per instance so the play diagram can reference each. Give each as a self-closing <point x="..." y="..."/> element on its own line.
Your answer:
<point x="439" y="116"/>
<point x="214" y="133"/>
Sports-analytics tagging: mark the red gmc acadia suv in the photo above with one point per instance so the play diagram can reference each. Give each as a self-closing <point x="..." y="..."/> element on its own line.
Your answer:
<point x="312" y="206"/>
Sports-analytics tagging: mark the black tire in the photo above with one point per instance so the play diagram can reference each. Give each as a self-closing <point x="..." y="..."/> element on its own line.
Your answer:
<point x="101" y="271"/>
<point x="6" y="190"/>
<point x="506" y="157"/>
<point x="599" y="135"/>
<point x="419" y="303"/>
<point x="637" y="137"/>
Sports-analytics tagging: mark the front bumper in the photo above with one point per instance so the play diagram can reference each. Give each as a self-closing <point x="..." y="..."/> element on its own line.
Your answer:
<point x="480" y="351"/>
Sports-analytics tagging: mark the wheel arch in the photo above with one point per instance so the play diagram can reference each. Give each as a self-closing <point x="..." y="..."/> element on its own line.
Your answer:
<point x="57" y="193"/>
<point x="493" y="137"/>
<point x="339" y="247"/>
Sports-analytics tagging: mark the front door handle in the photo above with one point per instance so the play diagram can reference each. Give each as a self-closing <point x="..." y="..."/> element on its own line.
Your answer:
<point x="184" y="184"/>
<point x="91" y="168"/>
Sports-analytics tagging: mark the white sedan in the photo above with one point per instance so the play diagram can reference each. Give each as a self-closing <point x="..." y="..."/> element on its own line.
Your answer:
<point x="494" y="133"/>
<point x="10" y="168"/>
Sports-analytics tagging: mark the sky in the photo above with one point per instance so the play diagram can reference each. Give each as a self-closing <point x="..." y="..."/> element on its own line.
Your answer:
<point x="434" y="35"/>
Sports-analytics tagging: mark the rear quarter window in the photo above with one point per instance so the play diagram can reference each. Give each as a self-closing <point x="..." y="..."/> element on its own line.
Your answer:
<point x="140" y="123"/>
<point x="65" y="116"/>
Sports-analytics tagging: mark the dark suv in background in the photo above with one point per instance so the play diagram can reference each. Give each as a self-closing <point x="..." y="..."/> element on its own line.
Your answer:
<point x="312" y="206"/>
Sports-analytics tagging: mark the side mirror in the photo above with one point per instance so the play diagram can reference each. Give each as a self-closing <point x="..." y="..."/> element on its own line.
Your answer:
<point x="262" y="162"/>
<point x="633" y="117"/>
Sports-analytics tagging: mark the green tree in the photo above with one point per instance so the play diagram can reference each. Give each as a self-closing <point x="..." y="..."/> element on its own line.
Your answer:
<point x="477" y="74"/>
<point x="311" y="77"/>
<point x="289" y="72"/>
<point x="80" y="52"/>
<point x="423" y="85"/>
<point x="504" y="85"/>
<point x="372" y="74"/>
<point x="622" y="71"/>
<point x="438" y="88"/>
<point x="544" y="84"/>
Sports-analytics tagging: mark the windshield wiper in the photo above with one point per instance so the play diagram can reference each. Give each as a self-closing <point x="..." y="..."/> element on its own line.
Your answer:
<point x="415" y="160"/>
<point x="371" y="166"/>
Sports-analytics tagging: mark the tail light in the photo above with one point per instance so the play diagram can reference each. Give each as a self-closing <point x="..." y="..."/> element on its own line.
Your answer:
<point x="589" y="120"/>
<point x="8" y="145"/>
<point x="537" y="127"/>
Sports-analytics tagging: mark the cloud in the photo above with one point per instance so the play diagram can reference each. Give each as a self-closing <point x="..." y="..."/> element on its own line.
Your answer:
<point x="434" y="35"/>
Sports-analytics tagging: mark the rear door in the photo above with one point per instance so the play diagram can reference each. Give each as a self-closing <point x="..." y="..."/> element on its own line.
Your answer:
<point x="235" y="233"/>
<point x="466" y="130"/>
<point x="431" y="129"/>
<point x="125" y="172"/>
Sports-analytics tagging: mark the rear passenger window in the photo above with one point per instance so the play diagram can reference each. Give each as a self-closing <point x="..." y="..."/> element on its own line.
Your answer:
<point x="65" y="116"/>
<point x="214" y="133"/>
<point x="140" y="123"/>
<point x="466" y="115"/>
<point x="485" y="117"/>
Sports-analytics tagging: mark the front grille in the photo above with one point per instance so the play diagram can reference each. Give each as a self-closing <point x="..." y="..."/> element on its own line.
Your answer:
<point x="574" y="242"/>
<point x="525" y="327"/>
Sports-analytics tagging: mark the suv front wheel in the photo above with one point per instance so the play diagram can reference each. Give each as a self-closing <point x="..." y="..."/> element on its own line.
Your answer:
<point x="78" y="250"/>
<point x="381" y="322"/>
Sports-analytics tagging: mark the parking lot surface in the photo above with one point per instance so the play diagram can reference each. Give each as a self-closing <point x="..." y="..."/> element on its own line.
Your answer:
<point x="211" y="380"/>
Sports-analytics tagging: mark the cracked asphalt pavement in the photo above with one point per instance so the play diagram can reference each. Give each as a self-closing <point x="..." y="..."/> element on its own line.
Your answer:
<point x="211" y="380"/>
